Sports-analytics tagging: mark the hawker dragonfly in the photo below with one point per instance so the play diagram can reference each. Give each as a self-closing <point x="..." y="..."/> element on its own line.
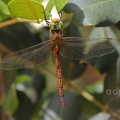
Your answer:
<point x="69" y="47"/>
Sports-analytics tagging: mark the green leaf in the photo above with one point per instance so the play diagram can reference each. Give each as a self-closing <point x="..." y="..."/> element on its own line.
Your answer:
<point x="49" y="7"/>
<point x="3" y="16"/>
<point x="22" y="79"/>
<point x="60" y="4"/>
<point x="6" y="1"/>
<point x="27" y="9"/>
<point x="40" y="1"/>
<point x="11" y="101"/>
<point x="4" y="11"/>
<point x="4" y="8"/>
<point x="94" y="12"/>
<point x="96" y="87"/>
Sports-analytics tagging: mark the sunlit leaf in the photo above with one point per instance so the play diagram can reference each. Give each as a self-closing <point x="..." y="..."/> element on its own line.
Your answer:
<point x="4" y="8"/>
<point x="60" y="4"/>
<point x="22" y="79"/>
<point x="6" y="1"/>
<point x="27" y="9"/>
<point x="49" y="7"/>
<point x="94" y="12"/>
<point x="40" y="0"/>
<point x="96" y="87"/>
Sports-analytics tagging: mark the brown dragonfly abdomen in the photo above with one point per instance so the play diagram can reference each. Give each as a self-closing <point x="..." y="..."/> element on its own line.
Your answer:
<point x="59" y="75"/>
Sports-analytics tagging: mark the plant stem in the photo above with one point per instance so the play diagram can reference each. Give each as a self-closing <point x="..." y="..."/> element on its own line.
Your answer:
<point x="85" y="94"/>
<point x="13" y="21"/>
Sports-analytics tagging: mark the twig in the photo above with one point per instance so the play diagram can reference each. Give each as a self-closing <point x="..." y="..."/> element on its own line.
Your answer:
<point x="85" y="94"/>
<point x="13" y="21"/>
<point x="9" y="22"/>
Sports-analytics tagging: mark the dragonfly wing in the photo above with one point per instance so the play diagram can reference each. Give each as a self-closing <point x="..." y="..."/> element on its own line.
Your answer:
<point x="84" y="48"/>
<point x="28" y="57"/>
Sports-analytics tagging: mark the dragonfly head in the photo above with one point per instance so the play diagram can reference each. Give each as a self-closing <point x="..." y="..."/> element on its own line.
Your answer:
<point x="56" y="24"/>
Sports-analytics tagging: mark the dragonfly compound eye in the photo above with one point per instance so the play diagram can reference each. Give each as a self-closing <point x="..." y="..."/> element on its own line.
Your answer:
<point x="56" y="25"/>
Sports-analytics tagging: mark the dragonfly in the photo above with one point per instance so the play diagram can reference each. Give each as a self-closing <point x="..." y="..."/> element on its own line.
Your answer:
<point x="69" y="47"/>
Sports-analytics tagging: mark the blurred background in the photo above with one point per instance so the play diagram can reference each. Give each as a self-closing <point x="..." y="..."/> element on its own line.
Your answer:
<point x="91" y="85"/>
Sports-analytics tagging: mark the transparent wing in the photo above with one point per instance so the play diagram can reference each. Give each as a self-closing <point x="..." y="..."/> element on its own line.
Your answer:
<point x="83" y="48"/>
<point x="28" y="57"/>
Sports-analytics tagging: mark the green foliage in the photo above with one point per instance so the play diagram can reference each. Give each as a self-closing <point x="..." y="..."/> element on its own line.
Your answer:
<point x="3" y="16"/>
<point x="49" y="7"/>
<point x="40" y="0"/>
<point x="96" y="87"/>
<point x="4" y="11"/>
<point x="58" y="3"/>
<point x="94" y="12"/>
<point x="22" y="79"/>
<point x="30" y="9"/>
<point x="11" y="102"/>
<point x="27" y="9"/>
<point x="85" y="12"/>
<point x="4" y="8"/>
<point x="6" y="1"/>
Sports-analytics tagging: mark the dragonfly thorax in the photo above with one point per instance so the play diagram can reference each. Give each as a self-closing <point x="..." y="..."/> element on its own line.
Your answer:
<point x="56" y="24"/>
